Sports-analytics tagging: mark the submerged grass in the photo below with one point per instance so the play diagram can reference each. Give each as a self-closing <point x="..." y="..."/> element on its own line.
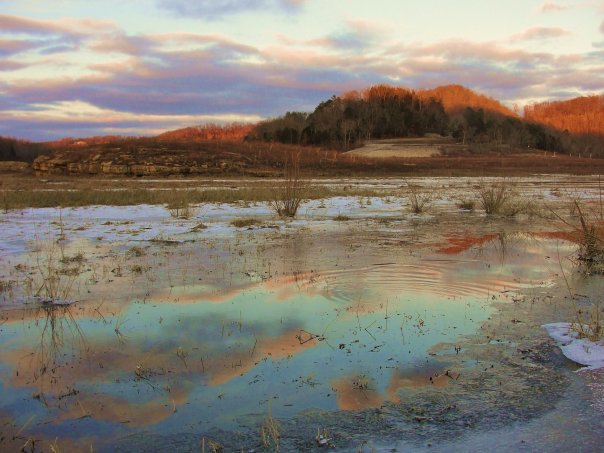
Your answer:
<point x="187" y="197"/>
<point x="270" y="433"/>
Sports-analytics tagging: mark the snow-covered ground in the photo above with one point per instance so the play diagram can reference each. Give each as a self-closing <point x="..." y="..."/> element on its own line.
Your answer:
<point x="579" y="350"/>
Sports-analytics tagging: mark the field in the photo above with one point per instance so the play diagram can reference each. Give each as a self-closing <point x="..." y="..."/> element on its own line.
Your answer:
<point x="184" y="314"/>
<point x="403" y="148"/>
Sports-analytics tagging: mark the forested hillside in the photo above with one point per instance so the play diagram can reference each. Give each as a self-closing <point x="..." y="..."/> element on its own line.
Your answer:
<point x="583" y="115"/>
<point x="382" y="111"/>
<point x="234" y="131"/>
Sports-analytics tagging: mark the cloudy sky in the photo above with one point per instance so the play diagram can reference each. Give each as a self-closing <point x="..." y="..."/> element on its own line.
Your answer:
<point x="94" y="67"/>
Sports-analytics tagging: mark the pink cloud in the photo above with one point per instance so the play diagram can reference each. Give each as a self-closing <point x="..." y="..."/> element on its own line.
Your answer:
<point x="14" y="46"/>
<point x="549" y="7"/>
<point x="458" y="49"/>
<point x="7" y="65"/>
<point x="16" y="24"/>
<point x="540" y="33"/>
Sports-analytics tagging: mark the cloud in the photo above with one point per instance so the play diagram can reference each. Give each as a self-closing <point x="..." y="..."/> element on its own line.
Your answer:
<point x="60" y="79"/>
<point x="48" y="36"/>
<point x="67" y="27"/>
<point x="357" y="35"/>
<point x="216" y="9"/>
<point x="602" y="27"/>
<point x="540" y="33"/>
<point x="552" y="7"/>
<point x="77" y="118"/>
<point x="10" y="47"/>
<point x="75" y="111"/>
<point x="7" y="65"/>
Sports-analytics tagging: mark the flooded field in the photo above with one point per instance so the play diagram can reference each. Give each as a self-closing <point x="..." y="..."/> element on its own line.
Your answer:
<point x="356" y="326"/>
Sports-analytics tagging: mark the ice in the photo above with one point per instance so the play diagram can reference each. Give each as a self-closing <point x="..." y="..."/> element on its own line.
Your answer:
<point x="580" y="350"/>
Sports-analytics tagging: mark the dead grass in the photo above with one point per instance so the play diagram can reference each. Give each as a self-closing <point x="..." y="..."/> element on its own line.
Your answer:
<point x="54" y="274"/>
<point x="6" y="285"/>
<point x="466" y="204"/>
<point x="498" y="198"/>
<point x="270" y="433"/>
<point x="199" y="227"/>
<point x="289" y="193"/>
<point x="419" y="198"/>
<point x="589" y="319"/>
<point x="342" y="218"/>
<point x="187" y="197"/>
<point x="244" y="223"/>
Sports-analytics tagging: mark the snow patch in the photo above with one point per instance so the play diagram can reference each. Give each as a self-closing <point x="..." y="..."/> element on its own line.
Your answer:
<point x="580" y="350"/>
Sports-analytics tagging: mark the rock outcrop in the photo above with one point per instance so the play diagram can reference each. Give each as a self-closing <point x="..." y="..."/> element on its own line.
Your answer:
<point x="140" y="162"/>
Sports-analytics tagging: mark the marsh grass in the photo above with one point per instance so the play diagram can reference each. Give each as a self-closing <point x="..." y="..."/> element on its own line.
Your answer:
<point x="270" y="433"/>
<point x="54" y="273"/>
<point x="181" y="205"/>
<point x="6" y="285"/>
<point x="289" y="193"/>
<point x="244" y="223"/>
<point x="342" y="218"/>
<point x="500" y="198"/>
<point x="591" y="240"/>
<point x="199" y="227"/>
<point x="419" y="198"/>
<point x="135" y="252"/>
<point x="212" y="445"/>
<point x="131" y="197"/>
<point x="589" y="232"/>
<point x="466" y="204"/>
<point x="589" y="321"/>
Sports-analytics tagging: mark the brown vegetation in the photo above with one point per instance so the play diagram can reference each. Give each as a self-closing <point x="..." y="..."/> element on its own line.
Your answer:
<point x="234" y="131"/>
<point x="582" y="115"/>
<point x="147" y="157"/>
<point x="456" y="98"/>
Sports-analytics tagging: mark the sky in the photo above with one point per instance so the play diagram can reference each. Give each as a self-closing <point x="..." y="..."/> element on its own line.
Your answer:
<point x="79" y="68"/>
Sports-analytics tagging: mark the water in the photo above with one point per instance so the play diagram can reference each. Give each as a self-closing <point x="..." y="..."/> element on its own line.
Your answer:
<point x="401" y="335"/>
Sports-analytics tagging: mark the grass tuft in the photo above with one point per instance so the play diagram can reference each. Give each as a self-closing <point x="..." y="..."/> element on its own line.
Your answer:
<point x="419" y="198"/>
<point x="270" y="433"/>
<point x="342" y="218"/>
<point x="288" y="195"/>
<point x="466" y="205"/>
<point x="243" y="223"/>
<point x="496" y="198"/>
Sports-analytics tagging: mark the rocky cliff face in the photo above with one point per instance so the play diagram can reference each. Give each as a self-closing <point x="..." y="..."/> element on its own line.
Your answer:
<point x="139" y="162"/>
<point x="13" y="166"/>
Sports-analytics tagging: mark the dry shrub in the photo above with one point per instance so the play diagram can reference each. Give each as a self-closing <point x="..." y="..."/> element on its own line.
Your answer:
<point x="591" y="240"/>
<point x="288" y="195"/>
<point x="419" y="198"/>
<point x="498" y="198"/>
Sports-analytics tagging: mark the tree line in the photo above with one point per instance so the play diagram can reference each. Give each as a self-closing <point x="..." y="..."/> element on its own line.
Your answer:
<point x="20" y="150"/>
<point x="381" y="112"/>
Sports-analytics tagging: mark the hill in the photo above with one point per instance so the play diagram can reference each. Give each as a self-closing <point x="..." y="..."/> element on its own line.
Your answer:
<point x="387" y="112"/>
<point x="457" y="98"/>
<point x="441" y="123"/>
<point x="582" y="115"/>
<point x="234" y="131"/>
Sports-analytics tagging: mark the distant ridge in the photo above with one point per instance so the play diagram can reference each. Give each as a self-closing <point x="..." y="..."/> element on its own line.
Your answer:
<point x="582" y="115"/>
<point x="209" y="132"/>
<point x="456" y="98"/>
